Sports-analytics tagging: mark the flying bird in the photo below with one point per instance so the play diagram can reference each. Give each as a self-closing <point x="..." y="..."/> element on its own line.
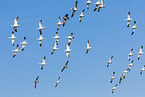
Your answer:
<point x="88" y="47"/>
<point x="15" y="51"/>
<point x="143" y="69"/>
<point x="35" y="82"/>
<point x="114" y="88"/>
<point x="23" y="43"/>
<point x="109" y="62"/>
<point x="130" y="54"/>
<point x="65" y="67"/>
<point x="13" y="38"/>
<point x="88" y="2"/>
<point x="16" y="24"/>
<point x="101" y="6"/>
<point x="140" y="52"/>
<point x="81" y="15"/>
<point x="112" y="77"/>
<point x="134" y="27"/>
<point x="70" y="37"/>
<point x="126" y="71"/>
<point x="68" y="50"/>
<point x="120" y="80"/>
<point x="56" y="37"/>
<point x="74" y="9"/>
<point x="128" y="19"/>
<point x="57" y="81"/>
<point x="40" y="39"/>
<point x="55" y="47"/>
<point x="59" y="23"/>
<point x="97" y="4"/>
<point x="65" y="18"/>
<point x="40" y="26"/>
<point x="130" y="65"/>
<point x="43" y="62"/>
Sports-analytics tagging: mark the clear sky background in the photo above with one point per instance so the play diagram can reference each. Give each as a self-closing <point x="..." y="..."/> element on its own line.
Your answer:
<point x="87" y="74"/>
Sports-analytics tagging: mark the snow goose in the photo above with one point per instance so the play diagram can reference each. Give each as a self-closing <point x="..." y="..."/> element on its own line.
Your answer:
<point x="55" y="47"/>
<point x="101" y="6"/>
<point x="112" y="77"/>
<point x="43" y="63"/>
<point x="40" y="26"/>
<point x="88" y="2"/>
<point x="134" y="27"/>
<point x="126" y="71"/>
<point x="65" y="19"/>
<point x="56" y="37"/>
<point x="128" y="19"/>
<point x="74" y="9"/>
<point x="68" y="50"/>
<point x="130" y="54"/>
<point x="88" y="47"/>
<point x="35" y="82"/>
<point x="120" y="80"/>
<point x="70" y="37"/>
<point x="109" y="62"/>
<point x="57" y="81"/>
<point x="143" y="69"/>
<point x="114" y="88"/>
<point x="140" y="52"/>
<point x="23" y="43"/>
<point x="15" y="51"/>
<point x="81" y="15"/>
<point x="97" y="4"/>
<point x="65" y="67"/>
<point x="59" y="23"/>
<point x="13" y="38"/>
<point x="40" y="39"/>
<point x="16" y="24"/>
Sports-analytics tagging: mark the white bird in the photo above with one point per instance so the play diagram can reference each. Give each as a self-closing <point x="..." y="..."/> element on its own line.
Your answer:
<point x="40" y="38"/>
<point x="128" y="19"/>
<point x="140" y="52"/>
<point x="55" y="47"/>
<point x="57" y="81"/>
<point x="130" y="65"/>
<point x="65" y="67"/>
<point x="74" y="9"/>
<point x="88" y="47"/>
<point x="13" y="38"/>
<point x="143" y="69"/>
<point x="126" y="71"/>
<point x="120" y="79"/>
<point x="40" y="26"/>
<point x="59" y="23"/>
<point x="97" y="4"/>
<point x="16" y="24"/>
<point x="68" y="50"/>
<point x="70" y="37"/>
<point x="112" y="77"/>
<point x="23" y="43"/>
<point x="35" y="82"/>
<point x="43" y="63"/>
<point x="134" y="27"/>
<point x="15" y="51"/>
<point x="88" y="2"/>
<point x="56" y="37"/>
<point x="130" y="54"/>
<point x="123" y="75"/>
<point x="114" y="88"/>
<point x="101" y="6"/>
<point x="81" y="15"/>
<point x="65" y="19"/>
<point x="109" y="62"/>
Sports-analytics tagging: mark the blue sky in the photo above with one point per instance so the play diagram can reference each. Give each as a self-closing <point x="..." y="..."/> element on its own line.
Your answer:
<point x="87" y="75"/>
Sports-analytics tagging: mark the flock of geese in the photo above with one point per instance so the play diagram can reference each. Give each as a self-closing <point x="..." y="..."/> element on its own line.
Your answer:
<point x="98" y="5"/>
<point x="129" y="57"/>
